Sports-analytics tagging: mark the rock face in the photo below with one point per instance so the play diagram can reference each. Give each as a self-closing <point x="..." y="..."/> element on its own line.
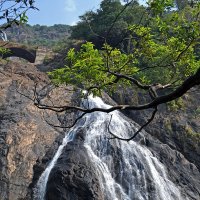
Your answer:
<point x="26" y="133"/>
<point x="17" y="50"/>
<point x="176" y="125"/>
<point x="74" y="176"/>
<point x="28" y="141"/>
<point x="181" y="172"/>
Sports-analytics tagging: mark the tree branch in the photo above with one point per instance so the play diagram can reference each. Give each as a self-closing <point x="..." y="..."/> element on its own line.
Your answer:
<point x="131" y="79"/>
<point x="137" y="132"/>
<point x="70" y="126"/>
<point x="186" y="85"/>
<point x="116" y="18"/>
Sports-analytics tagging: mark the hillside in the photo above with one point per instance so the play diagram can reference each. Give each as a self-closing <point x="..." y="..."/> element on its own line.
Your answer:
<point x="38" y="35"/>
<point x="168" y="152"/>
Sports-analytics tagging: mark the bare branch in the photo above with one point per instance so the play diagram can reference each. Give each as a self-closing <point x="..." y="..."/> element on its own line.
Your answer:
<point x="179" y="91"/>
<point x="131" y="79"/>
<point x="93" y="32"/>
<point x="117" y="17"/>
<point x="137" y="132"/>
<point x="103" y="85"/>
<point x="70" y="126"/>
<point x="186" y="85"/>
<point x="184" y="50"/>
<point x="37" y="100"/>
<point x="28" y="97"/>
<point x="3" y="45"/>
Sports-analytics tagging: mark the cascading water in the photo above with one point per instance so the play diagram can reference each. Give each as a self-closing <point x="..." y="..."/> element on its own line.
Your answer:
<point x="126" y="171"/>
<point x="40" y="189"/>
<point x="3" y="36"/>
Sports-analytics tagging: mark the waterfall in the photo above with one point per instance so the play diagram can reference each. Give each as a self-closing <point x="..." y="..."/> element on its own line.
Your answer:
<point x="3" y="36"/>
<point x="40" y="189"/>
<point x="126" y="170"/>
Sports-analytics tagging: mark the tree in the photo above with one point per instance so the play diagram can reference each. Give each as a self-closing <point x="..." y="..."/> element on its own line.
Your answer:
<point x="14" y="11"/>
<point x="96" y="26"/>
<point x="180" y="4"/>
<point x="164" y="55"/>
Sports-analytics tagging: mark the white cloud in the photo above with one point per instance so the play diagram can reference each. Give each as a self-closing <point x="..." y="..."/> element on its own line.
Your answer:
<point x="70" y="5"/>
<point x="73" y="23"/>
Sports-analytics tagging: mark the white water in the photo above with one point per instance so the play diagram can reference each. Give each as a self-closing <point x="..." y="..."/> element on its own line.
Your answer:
<point x="40" y="189"/>
<point x="3" y="36"/>
<point x="126" y="171"/>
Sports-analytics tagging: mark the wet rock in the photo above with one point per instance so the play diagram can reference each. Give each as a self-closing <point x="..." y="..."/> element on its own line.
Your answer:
<point x="74" y="176"/>
<point x="184" y="174"/>
<point x="178" y="128"/>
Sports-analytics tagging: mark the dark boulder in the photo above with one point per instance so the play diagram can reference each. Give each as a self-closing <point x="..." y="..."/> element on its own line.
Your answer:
<point x="74" y="176"/>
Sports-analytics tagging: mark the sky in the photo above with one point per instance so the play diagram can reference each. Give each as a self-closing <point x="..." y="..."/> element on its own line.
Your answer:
<point x="60" y="11"/>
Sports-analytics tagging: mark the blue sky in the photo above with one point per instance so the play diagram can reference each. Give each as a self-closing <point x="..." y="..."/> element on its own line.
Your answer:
<point x="60" y="11"/>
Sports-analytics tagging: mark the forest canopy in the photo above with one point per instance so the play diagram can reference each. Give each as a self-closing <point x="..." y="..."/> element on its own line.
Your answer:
<point x="133" y="44"/>
<point x="145" y="48"/>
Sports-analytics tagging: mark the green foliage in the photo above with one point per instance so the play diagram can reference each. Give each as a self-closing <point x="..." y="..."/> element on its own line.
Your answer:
<point x="23" y="18"/>
<point x="197" y="113"/>
<point x="87" y="68"/>
<point x="37" y="35"/>
<point x="164" y="50"/>
<point x="14" y="12"/>
<point x="168" y="45"/>
<point x="94" y="24"/>
<point x="168" y="125"/>
<point x="176" y="105"/>
<point x="159" y="6"/>
<point x="3" y="51"/>
<point x="195" y="136"/>
<point x="84" y="66"/>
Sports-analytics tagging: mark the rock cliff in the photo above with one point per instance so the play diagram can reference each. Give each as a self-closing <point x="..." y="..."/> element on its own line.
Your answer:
<point x="75" y="176"/>
<point x="26" y="133"/>
<point x="176" y="124"/>
<point x="28" y="141"/>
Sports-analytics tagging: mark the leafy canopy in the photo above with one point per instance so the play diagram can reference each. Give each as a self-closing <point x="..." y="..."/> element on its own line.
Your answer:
<point x="94" y="24"/>
<point x="163" y="50"/>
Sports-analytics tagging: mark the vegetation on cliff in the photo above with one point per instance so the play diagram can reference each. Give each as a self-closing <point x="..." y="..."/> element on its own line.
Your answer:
<point x="38" y="35"/>
<point x="158" y="51"/>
